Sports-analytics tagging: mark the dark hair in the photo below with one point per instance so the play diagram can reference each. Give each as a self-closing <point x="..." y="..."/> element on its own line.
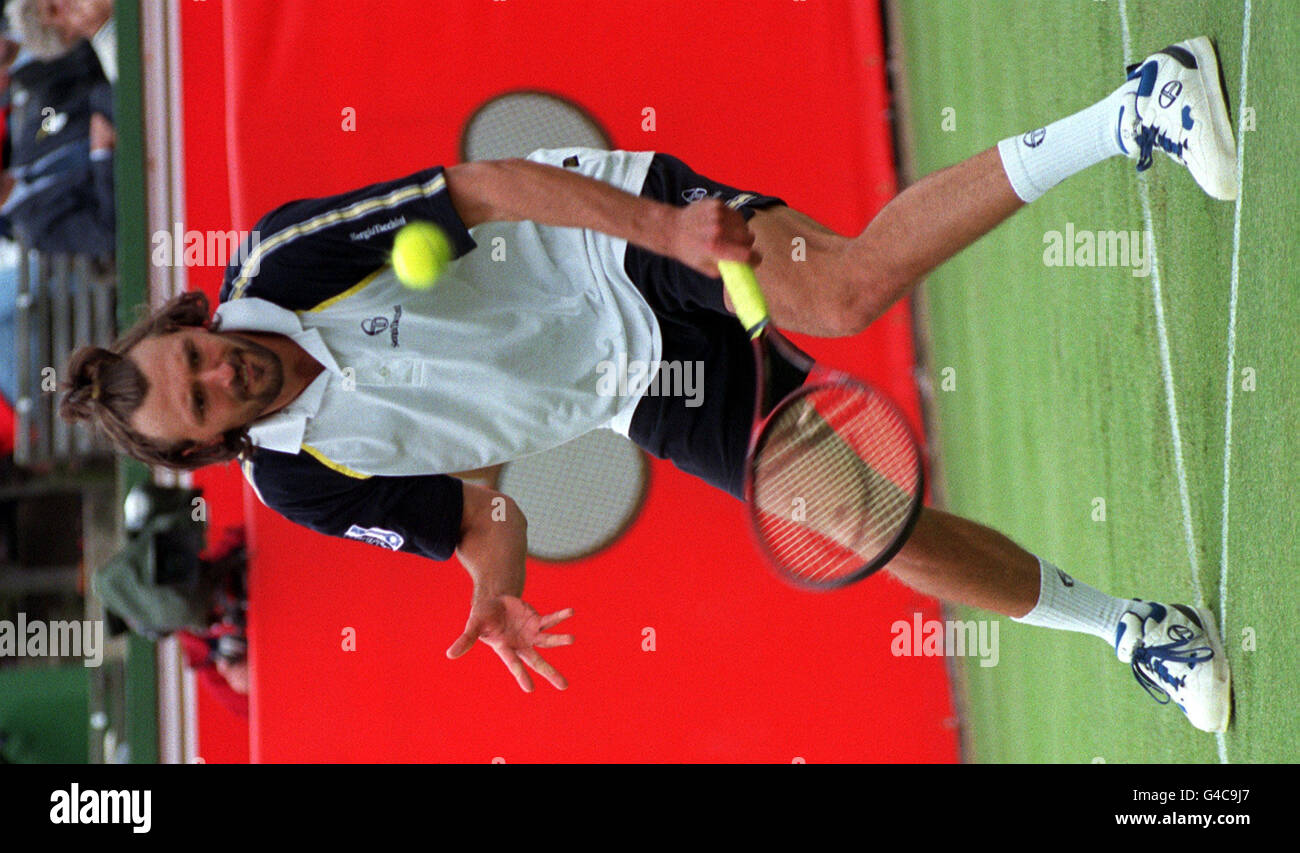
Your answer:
<point x="105" y="388"/>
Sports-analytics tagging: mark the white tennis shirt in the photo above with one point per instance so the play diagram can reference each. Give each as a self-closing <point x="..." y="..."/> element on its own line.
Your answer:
<point x="503" y="358"/>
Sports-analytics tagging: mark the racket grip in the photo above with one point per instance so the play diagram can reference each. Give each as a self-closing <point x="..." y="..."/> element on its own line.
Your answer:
<point x="742" y="286"/>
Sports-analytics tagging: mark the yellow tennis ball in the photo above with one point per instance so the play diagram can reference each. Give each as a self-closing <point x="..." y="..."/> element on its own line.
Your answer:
<point x="421" y="252"/>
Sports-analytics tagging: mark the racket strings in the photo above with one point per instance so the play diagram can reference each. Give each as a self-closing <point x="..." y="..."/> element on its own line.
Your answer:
<point x="835" y="480"/>
<point x="577" y="497"/>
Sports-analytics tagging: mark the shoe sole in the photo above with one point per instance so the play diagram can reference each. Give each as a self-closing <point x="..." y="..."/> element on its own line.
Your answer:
<point x="1222" y="697"/>
<point x="1207" y="68"/>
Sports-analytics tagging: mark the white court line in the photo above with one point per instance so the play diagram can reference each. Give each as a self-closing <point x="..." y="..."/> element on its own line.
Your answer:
<point x="1232" y="343"/>
<point x="1232" y="321"/>
<point x="1171" y="401"/>
<point x="1166" y="371"/>
<point x="1166" y="368"/>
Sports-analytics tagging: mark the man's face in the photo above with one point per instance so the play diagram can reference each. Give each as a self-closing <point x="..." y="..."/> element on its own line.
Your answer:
<point x="203" y="384"/>
<point x="54" y="14"/>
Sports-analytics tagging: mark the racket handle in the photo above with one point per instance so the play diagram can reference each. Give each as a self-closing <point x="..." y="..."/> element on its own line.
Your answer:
<point x="742" y="286"/>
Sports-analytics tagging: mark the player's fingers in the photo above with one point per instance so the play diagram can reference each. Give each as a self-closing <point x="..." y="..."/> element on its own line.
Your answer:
<point x="550" y="641"/>
<point x="710" y="266"/>
<point x="730" y="248"/>
<point x="544" y="669"/>
<point x="739" y="231"/>
<point x="465" y="641"/>
<point x="736" y="253"/>
<point x="736" y="228"/>
<point x="556" y="618"/>
<point x="516" y="667"/>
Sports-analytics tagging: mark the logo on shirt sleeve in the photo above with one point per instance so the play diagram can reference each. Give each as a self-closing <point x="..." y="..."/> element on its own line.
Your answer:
<point x="375" y="536"/>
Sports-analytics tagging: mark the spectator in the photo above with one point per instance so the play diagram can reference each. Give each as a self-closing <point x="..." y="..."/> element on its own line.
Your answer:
<point x="49" y="28"/>
<point x="37" y="26"/>
<point x="60" y="193"/>
<point x="93" y="20"/>
<point x="226" y="680"/>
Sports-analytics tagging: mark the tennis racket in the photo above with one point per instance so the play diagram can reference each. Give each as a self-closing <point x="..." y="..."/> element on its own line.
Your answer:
<point x="834" y="477"/>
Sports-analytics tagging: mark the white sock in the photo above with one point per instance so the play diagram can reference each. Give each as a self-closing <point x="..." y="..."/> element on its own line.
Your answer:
<point x="1041" y="159"/>
<point x="1070" y="605"/>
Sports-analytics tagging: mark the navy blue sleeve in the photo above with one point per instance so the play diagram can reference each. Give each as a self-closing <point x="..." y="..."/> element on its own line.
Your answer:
<point x="101" y="99"/>
<point x="74" y="214"/>
<point x="418" y="515"/>
<point x="105" y="202"/>
<point x="306" y="251"/>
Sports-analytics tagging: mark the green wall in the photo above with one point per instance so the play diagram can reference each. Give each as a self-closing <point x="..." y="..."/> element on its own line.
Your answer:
<point x="44" y="712"/>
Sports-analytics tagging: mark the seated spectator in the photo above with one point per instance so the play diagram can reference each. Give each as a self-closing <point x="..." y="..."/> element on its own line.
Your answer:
<point x="223" y="676"/>
<point x="93" y="20"/>
<point x="49" y="28"/>
<point x="58" y="196"/>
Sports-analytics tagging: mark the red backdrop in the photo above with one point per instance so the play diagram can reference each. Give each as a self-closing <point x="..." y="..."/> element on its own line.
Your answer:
<point x="787" y="98"/>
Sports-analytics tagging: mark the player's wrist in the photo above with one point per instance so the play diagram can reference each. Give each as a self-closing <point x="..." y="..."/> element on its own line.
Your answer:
<point x="659" y="228"/>
<point x="483" y="596"/>
<point x="498" y="577"/>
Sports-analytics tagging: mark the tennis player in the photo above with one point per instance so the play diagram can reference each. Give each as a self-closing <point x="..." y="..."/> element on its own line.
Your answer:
<point x="351" y="401"/>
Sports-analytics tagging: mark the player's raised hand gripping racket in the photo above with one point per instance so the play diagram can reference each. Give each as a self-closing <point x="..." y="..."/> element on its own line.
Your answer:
<point x="834" y="477"/>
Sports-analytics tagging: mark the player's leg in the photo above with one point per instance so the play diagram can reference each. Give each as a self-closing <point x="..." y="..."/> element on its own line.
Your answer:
<point x="819" y="282"/>
<point x="1175" y="650"/>
<point x="840" y="285"/>
<point x="957" y="560"/>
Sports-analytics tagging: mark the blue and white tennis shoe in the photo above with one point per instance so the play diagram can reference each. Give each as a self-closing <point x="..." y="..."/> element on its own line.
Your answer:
<point x="1177" y="656"/>
<point x="1173" y="100"/>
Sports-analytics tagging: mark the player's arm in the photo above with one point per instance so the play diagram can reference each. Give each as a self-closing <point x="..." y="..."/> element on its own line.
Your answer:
<point x="493" y="544"/>
<point x="515" y="190"/>
<point x="311" y="249"/>
<point x="433" y="516"/>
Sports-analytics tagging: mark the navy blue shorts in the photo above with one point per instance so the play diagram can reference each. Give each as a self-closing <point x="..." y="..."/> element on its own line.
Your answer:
<point x="709" y="440"/>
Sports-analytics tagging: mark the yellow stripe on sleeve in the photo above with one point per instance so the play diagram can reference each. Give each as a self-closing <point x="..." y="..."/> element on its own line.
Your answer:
<point x="332" y="465"/>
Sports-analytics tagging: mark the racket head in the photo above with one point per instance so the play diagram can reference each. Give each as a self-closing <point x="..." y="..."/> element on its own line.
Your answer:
<point x="579" y="498"/>
<point x="518" y="122"/>
<point x="835" y="481"/>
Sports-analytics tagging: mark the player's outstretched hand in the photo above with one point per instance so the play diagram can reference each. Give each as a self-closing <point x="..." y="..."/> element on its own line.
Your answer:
<point x="708" y="231"/>
<point x="514" y="630"/>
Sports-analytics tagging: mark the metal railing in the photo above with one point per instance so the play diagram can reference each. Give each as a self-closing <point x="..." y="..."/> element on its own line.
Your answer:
<point x="63" y="302"/>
